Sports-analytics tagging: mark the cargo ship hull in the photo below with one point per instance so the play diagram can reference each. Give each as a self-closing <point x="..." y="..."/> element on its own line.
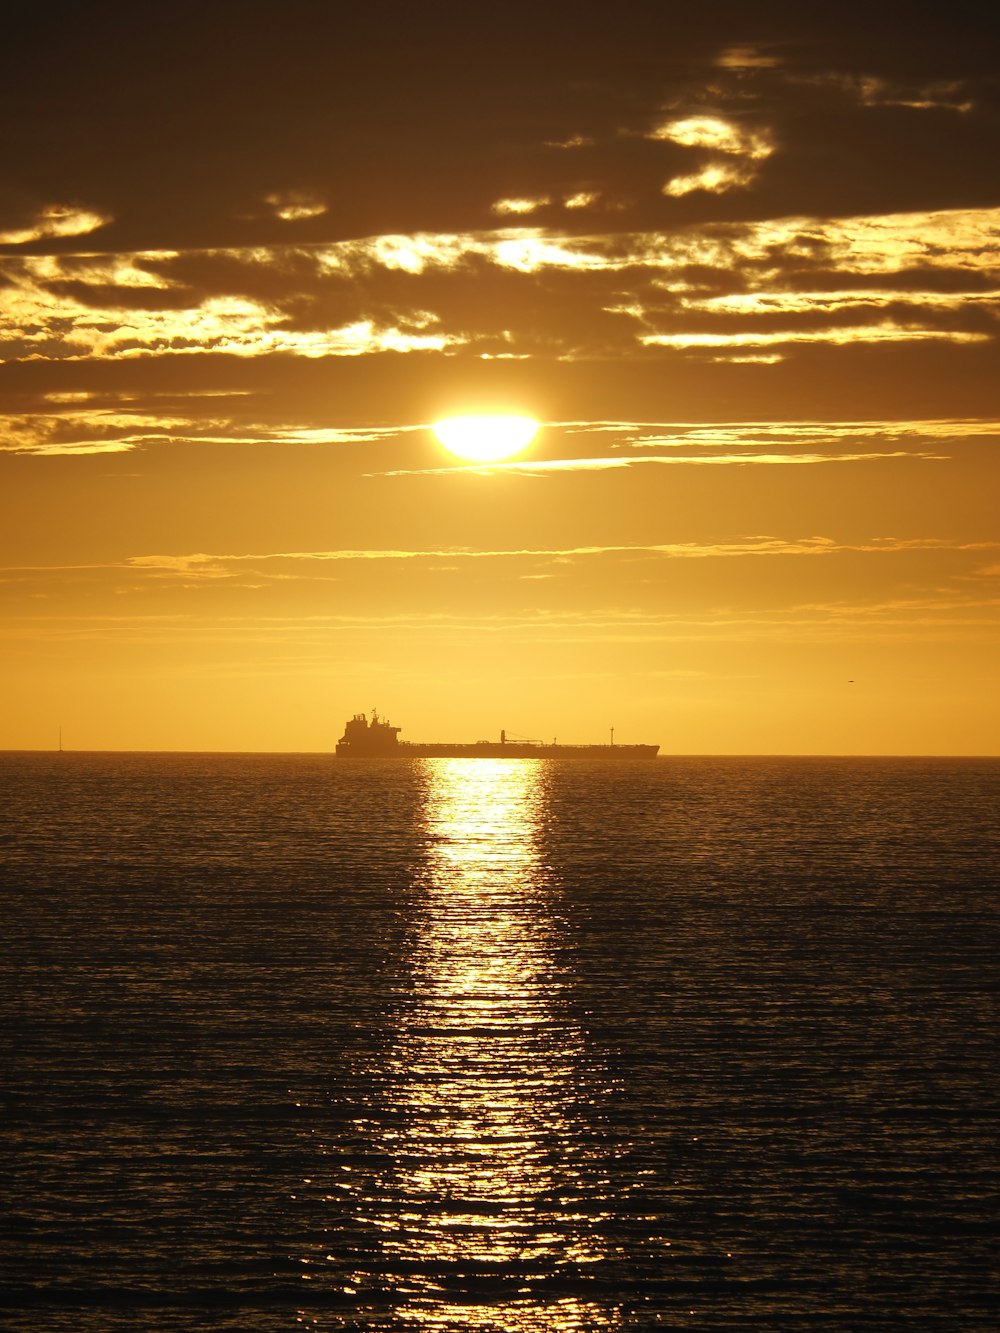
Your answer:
<point x="378" y="740"/>
<point x="515" y="750"/>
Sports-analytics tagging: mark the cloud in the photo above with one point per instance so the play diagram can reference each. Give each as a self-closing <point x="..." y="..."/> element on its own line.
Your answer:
<point x="964" y="239"/>
<point x="723" y="289"/>
<point x="55" y="220"/>
<point x="97" y="432"/>
<point x="887" y="331"/>
<point x="716" y="179"/>
<point x="119" y="429"/>
<point x="745" y="58"/>
<point x="574" y="141"/>
<point x="520" y="205"/>
<point x="754" y="546"/>
<point x="733" y="153"/>
<point x="799" y="302"/>
<point x="735" y="432"/>
<point x="790" y="434"/>
<point x="69" y="328"/>
<point x="581" y="199"/>
<point x="558" y="465"/>
<point x="295" y="205"/>
<point x="873" y="91"/>
<point x="721" y="136"/>
<point x="196" y="565"/>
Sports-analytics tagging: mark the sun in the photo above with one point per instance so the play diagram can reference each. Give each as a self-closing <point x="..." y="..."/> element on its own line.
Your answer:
<point x="484" y="439"/>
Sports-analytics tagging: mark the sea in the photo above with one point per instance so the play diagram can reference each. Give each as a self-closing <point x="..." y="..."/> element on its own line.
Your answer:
<point x="527" y="1046"/>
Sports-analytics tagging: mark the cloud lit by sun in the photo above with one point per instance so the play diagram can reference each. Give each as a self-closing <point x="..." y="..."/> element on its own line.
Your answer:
<point x="486" y="438"/>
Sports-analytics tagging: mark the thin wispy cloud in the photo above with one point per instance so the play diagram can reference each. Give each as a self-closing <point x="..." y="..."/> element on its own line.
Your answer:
<point x="564" y="465"/>
<point x="754" y="433"/>
<point x="874" y="91"/>
<point x="887" y="332"/>
<point x="732" y="549"/>
<point x="120" y="430"/>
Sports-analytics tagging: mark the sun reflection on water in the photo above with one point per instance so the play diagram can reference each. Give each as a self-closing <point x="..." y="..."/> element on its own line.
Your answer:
<point x="499" y="1226"/>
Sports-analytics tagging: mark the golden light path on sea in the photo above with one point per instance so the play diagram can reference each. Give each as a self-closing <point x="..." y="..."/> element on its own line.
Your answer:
<point x="487" y="1151"/>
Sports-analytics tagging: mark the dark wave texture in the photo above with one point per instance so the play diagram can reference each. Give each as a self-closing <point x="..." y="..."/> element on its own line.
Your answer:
<point x="498" y="1045"/>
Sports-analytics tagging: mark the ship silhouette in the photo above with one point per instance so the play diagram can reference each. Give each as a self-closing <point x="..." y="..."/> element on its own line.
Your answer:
<point x="378" y="739"/>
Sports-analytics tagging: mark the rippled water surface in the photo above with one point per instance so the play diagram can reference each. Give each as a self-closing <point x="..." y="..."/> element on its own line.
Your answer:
<point x="293" y="1043"/>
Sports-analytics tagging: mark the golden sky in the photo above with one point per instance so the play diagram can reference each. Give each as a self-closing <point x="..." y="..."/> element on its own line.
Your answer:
<point x="743" y="267"/>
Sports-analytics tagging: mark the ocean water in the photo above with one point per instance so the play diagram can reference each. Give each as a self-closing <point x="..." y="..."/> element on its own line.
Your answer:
<point x="298" y="1043"/>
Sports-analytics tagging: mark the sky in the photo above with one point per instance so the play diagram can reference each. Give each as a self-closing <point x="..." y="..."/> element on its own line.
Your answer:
<point x="742" y="263"/>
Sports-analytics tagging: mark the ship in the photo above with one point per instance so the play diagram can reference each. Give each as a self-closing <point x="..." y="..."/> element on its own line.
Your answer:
<point x="378" y="739"/>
